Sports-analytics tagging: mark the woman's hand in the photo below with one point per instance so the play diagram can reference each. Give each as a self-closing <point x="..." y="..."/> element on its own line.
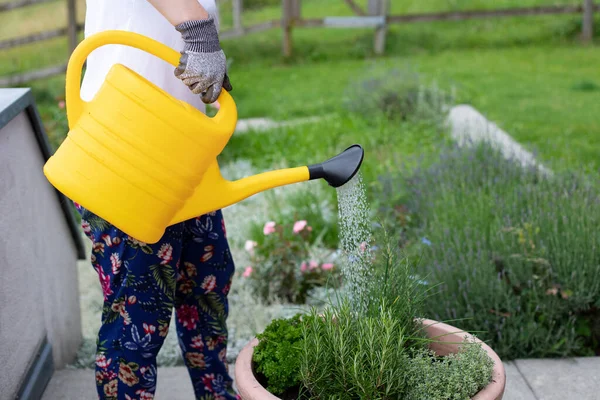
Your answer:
<point x="202" y="66"/>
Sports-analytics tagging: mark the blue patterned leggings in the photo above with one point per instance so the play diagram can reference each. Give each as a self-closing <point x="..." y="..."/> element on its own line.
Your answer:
<point x="189" y="269"/>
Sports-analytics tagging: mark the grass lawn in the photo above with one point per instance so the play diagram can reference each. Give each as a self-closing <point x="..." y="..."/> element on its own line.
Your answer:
<point x="530" y="75"/>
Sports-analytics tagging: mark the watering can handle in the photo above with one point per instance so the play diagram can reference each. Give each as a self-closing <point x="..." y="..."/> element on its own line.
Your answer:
<point x="75" y="105"/>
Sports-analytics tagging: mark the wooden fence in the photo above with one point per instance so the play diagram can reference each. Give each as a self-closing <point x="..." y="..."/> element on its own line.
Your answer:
<point x="376" y="16"/>
<point x="71" y="30"/>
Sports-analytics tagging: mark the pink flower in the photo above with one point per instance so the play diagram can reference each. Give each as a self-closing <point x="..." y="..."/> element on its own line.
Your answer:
<point x="116" y="263"/>
<point x="247" y="272"/>
<point x="363" y="247"/>
<point x="61" y="104"/>
<point x="144" y="395"/>
<point x="303" y="266"/>
<point x="269" y="228"/>
<point x="107" y="239"/>
<point x="149" y="329"/>
<point x="99" y="247"/>
<point x="186" y="287"/>
<point x="102" y="362"/>
<point x="188" y="316"/>
<point x="105" y="284"/>
<point x="209" y="252"/>
<point x="190" y="269"/>
<point x="163" y="330"/>
<point x="249" y="246"/>
<point x="313" y="265"/>
<point x="166" y="253"/>
<point x="209" y="283"/>
<point x="197" y="342"/>
<point x="208" y="380"/>
<point x="86" y="227"/>
<point x="327" y="266"/>
<point x="299" y="226"/>
<point x="226" y="289"/>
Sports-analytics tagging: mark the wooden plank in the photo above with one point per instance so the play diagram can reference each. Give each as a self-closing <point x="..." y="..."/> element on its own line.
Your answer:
<point x="474" y="14"/>
<point x="373" y="7"/>
<point x="379" y="8"/>
<point x="354" y="22"/>
<point x="296" y="8"/>
<point x="250" y="29"/>
<point x="35" y="37"/>
<point x="14" y="80"/>
<point x="237" y="15"/>
<point x="355" y="7"/>
<point x="286" y="24"/>
<point x="72" y="24"/>
<point x="20" y="3"/>
<point x="587" y="28"/>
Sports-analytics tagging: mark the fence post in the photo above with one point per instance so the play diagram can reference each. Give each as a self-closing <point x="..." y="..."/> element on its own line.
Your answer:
<point x="72" y="21"/>
<point x="379" y="8"/>
<point x="291" y="13"/>
<point x="237" y="16"/>
<point x="587" y="31"/>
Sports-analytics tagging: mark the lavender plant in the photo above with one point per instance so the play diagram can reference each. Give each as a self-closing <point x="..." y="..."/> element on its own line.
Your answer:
<point x="397" y="94"/>
<point x="515" y="252"/>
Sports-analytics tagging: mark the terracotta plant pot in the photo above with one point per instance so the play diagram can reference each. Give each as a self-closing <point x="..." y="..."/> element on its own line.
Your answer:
<point x="447" y="338"/>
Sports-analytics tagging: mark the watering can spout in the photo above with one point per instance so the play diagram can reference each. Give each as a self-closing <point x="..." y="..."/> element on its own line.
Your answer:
<point x="337" y="171"/>
<point x="216" y="192"/>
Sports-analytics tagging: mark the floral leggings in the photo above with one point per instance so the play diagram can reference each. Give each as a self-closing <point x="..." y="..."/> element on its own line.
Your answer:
<point x="189" y="269"/>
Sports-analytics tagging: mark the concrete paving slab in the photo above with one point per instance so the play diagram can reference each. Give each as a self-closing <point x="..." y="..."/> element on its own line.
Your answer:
<point x="78" y="384"/>
<point x="560" y="379"/>
<point x="516" y="386"/>
<point x="468" y="127"/>
<point x="263" y="124"/>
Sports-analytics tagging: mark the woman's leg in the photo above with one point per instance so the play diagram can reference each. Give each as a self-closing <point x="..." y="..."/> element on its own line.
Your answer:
<point x="201" y="306"/>
<point x="138" y="282"/>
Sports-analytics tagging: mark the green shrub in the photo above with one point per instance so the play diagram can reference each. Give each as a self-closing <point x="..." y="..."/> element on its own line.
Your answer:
<point x="453" y="377"/>
<point x="514" y="251"/>
<point x="397" y="94"/>
<point x="294" y="252"/>
<point x="277" y="356"/>
<point x="283" y="266"/>
<point x="254" y="4"/>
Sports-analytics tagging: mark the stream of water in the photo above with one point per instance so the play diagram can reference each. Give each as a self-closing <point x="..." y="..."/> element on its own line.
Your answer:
<point x="356" y="239"/>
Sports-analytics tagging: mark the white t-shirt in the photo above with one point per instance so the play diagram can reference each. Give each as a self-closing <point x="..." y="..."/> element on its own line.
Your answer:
<point x="141" y="17"/>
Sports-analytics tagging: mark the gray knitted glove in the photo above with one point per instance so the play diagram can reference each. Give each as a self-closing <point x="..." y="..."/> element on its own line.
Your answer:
<point x="202" y="66"/>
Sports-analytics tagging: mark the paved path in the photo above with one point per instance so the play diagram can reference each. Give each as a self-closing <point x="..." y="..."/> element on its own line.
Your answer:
<point x="78" y="384"/>
<point x="263" y="124"/>
<point x="468" y="127"/>
<point x="568" y="379"/>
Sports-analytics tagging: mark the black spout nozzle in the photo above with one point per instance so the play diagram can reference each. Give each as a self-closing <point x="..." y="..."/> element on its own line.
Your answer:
<point x="338" y="170"/>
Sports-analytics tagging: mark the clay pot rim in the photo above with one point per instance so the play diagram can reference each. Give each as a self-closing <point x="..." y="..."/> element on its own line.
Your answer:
<point x="250" y="389"/>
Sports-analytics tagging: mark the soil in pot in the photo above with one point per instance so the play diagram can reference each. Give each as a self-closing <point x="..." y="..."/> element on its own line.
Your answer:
<point x="290" y="394"/>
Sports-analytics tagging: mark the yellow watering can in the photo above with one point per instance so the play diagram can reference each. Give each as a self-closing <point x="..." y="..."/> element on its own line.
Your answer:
<point x="144" y="160"/>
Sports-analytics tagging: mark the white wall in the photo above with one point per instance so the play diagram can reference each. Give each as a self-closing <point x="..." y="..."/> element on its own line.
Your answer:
<point x="38" y="261"/>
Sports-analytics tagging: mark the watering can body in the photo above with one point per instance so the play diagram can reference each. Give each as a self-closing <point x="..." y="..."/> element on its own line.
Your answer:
<point x="142" y="159"/>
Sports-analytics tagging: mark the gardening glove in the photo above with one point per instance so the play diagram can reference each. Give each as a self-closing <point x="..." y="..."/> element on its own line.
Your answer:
<point x="202" y="66"/>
